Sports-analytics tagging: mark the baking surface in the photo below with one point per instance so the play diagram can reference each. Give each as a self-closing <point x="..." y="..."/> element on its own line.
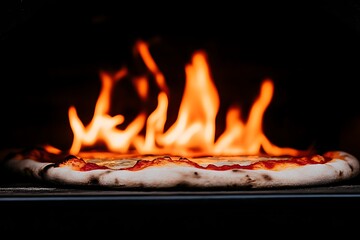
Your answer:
<point x="40" y="192"/>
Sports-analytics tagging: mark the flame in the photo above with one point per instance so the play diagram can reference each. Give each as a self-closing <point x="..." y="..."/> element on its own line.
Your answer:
<point x="193" y="132"/>
<point x="195" y="125"/>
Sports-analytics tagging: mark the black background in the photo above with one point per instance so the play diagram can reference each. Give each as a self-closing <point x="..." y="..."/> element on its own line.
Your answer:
<point x="52" y="53"/>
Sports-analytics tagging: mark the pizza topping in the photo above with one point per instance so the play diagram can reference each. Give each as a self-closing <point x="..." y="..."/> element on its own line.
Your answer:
<point x="139" y="162"/>
<point x="79" y="164"/>
<point x="318" y="159"/>
<point x="74" y="163"/>
<point x="163" y="161"/>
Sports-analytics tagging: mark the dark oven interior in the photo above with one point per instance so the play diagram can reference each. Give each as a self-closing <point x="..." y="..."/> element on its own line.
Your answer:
<point x="52" y="53"/>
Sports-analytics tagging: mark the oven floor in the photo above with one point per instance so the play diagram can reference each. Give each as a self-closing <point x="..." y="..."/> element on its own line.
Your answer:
<point x="36" y="191"/>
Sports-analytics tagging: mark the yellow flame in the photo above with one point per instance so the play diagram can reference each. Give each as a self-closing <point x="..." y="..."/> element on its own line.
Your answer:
<point x="52" y="149"/>
<point x="103" y="127"/>
<point x="142" y="87"/>
<point x="143" y="49"/>
<point x="195" y="125"/>
<point x="194" y="129"/>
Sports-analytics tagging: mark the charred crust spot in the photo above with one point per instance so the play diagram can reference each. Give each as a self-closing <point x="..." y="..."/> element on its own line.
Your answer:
<point x="341" y="173"/>
<point x="196" y="175"/>
<point x="351" y="167"/>
<point x="249" y="180"/>
<point x="93" y="181"/>
<point x="43" y="171"/>
<point x="237" y="170"/>
<point x="47" y="167"/>
<point x="267" y="177"/>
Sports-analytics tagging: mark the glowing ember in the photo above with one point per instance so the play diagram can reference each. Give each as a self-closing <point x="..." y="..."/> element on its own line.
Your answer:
<point x="194" y="130"/>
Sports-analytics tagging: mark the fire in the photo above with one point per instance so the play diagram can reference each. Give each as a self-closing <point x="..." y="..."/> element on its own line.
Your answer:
<point x="193" y="132"/>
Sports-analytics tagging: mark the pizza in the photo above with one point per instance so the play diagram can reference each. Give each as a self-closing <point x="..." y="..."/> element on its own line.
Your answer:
<point x="134" y="171"/>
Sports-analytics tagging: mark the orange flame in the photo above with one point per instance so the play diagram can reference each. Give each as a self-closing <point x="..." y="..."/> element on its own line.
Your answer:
<point x="193" y="132"/>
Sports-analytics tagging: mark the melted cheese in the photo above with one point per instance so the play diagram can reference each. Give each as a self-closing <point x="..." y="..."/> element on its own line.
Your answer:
<point x="120" y="161"/>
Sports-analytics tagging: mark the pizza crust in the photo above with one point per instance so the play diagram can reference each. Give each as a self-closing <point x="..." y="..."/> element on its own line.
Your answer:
<point x="344" y="166"/>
